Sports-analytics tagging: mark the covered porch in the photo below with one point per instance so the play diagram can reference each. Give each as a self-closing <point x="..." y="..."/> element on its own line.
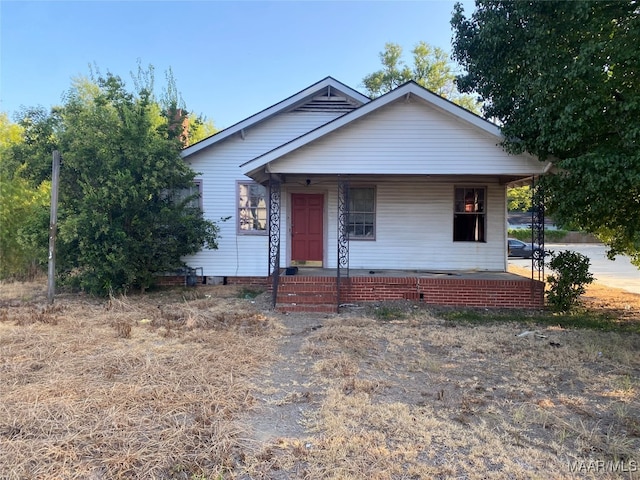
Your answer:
<point x="422" y="205"/>
<point x="436" y="271"/>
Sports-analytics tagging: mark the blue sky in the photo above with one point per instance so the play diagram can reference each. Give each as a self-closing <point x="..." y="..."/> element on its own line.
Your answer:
<point x="230" y="59"/>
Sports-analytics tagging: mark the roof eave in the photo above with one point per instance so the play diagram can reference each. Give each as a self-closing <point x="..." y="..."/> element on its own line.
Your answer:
<point x="271" y="111"/>
<point x="409" y="88"/>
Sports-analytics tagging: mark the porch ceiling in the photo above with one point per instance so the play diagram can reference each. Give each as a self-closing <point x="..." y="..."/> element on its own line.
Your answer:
<point x="330" y="179"/>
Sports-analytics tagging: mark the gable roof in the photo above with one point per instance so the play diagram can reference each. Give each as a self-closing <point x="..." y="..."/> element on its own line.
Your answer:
<point x="327" y="94"/>
<point x="406" y="90"/>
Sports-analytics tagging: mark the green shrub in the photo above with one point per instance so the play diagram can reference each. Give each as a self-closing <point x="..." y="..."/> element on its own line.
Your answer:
<point x="249" y="293"/>
<point x="524" y="234"/>
<point x="566" y="286"/>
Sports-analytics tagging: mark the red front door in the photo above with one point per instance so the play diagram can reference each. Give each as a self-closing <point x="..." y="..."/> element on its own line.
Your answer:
<point x="306" y="229"/>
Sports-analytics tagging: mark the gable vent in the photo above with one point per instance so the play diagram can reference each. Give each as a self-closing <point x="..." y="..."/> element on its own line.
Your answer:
<point x="328" y="101"/>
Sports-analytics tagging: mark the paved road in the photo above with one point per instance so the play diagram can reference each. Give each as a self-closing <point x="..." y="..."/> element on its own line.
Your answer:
<point x="618" y="273"/>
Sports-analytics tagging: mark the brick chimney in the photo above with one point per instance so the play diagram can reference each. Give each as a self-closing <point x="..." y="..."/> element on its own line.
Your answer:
<point x="180" y="121"/>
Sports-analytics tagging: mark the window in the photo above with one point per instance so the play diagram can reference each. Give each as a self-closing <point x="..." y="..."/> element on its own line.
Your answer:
<point x="469" y="215"/>
<point x="362" y="213"/>
<point x="193" y="195"/>
<point x="252" y="208"/>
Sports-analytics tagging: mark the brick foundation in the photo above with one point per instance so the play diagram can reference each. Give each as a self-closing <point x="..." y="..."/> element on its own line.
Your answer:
<point x="249" y="281"/>
<point x="448" y="292"/>
<point x="298" y="293"/>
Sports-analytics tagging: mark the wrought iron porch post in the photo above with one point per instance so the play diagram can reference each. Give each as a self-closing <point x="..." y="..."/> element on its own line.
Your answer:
<point x="274" y="236"/>
<point x="537" y="228"/>
<point x="343" y="234"/>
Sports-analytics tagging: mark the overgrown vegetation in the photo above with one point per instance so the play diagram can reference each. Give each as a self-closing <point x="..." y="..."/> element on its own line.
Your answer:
<point x="24" y="208"/>
<point x="128" y="210"/>
<point x="570" y="279"/>
<point x="561" y="78"/>
<point x="425" y="398"/>
<point x="143" y="386"/>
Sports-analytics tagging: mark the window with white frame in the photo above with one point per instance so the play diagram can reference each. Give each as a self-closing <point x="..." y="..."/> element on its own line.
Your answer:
<point x="252" y="208"/>
<point x="469" y="217"/>
<point x="362" y="213"/>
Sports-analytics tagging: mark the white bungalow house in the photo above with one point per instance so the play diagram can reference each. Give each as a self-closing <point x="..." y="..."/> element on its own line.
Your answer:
<point x="402" y="196"/>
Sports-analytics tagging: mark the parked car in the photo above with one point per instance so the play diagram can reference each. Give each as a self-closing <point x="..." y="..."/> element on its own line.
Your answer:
<point x="521" y="249"/>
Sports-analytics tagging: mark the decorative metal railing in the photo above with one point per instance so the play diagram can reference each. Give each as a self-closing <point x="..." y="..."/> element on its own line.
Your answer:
<point x="274" y="236"/>
<point x="537" y="229"/>
<point x="343" y="236"/>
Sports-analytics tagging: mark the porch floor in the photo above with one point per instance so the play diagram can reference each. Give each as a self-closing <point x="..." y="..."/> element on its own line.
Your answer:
<point x="392" y="273"/>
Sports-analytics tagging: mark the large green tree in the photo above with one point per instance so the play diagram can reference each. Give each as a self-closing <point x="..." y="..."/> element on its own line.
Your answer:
<point x="431" y="68"/>
<point x="10" y="133"/>
<point x="562" y="79"/>
<point x="519" y="199"/>
<point x="24" y="208"/>
<point x="30" y="156"/>
<point x="124" y="216"/>
<point x="122" y="179"/>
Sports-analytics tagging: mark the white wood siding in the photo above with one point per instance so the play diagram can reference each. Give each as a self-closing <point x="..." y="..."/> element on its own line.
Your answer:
<point x="218" y="169"/>
<point x="429" y="152"/>
<point x="414" y="228"/>
<point x="407" y="137"/>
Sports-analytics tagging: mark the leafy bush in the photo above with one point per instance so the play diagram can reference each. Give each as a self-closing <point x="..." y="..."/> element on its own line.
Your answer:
<point x="129" y="214"/>
<point x="524" y="234"/>
<point x="249" y="293"/>
<point x="572" y="275"/>
<point x="128" y="210"/>
<point x="24" y="226"/>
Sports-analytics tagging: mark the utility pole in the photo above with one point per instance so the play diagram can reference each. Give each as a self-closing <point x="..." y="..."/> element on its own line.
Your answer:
<point x="53" y="227"/>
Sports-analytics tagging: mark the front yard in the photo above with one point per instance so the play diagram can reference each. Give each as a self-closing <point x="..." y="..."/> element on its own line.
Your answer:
<point x="206" y="383"/>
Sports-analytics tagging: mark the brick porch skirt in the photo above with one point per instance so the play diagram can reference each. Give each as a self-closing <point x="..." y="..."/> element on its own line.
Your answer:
<point x="313" y="293"/>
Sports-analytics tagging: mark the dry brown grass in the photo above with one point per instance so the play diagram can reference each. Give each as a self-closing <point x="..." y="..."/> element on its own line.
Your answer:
<point x="424" y="398"/>
<point x="139" y="387"/>
<point x="397" y="392"/>
<point x="186" y="384"/>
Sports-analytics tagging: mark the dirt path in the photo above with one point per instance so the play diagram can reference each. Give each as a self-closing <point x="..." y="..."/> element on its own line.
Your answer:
<point x="284" y="390"/>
